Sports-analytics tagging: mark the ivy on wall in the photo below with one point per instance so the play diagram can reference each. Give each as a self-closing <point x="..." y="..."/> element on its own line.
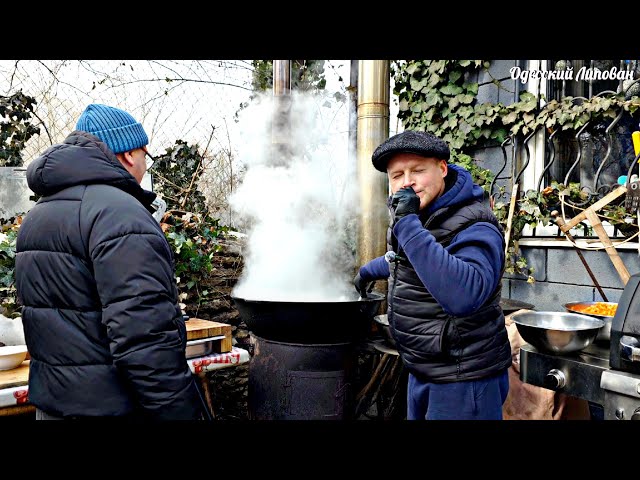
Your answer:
<point x="177" y="175"/>
<point x="440" y="96"/>
<point x="8" y="233"/>
<point x="16" y="127"/>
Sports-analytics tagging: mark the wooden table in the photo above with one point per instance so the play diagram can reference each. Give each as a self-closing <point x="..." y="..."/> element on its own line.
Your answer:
<point x="14" y="383"/>
<point x="198" y="329"/>
<point x="14" y="391"/>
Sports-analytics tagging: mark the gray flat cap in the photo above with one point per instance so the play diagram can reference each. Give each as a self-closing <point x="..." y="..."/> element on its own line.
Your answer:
<point x="410" y="141"/>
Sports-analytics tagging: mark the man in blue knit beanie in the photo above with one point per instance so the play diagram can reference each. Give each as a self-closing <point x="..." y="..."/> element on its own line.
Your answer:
<point x="94" y="273"/>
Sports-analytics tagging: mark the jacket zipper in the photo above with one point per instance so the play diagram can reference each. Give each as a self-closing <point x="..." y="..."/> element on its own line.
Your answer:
<point x="393" y="291"/>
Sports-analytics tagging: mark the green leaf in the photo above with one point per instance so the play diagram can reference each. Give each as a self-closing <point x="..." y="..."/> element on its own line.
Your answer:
<point x="451" y="90"/>
<point x="465" y="111"/>
<point x="454" y="76"/>
<point x="471" y="88"/>
<point x="467" y="99"/>
<point x="412" y="68"/>
<point x="7" y="278"/>
<point x="433" y="99"/>
<point x="437" y="66"/>
<point x="526" y="96"/>
<point x="457" y="142"/>
<point x="434" y="80"/>
<point x="417" y="84"/>
<point x="510" y="118"/>
<point x="488" y="133"/>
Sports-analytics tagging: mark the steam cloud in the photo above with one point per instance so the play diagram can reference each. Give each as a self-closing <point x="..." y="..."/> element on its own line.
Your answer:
<point x="296" y="203"/>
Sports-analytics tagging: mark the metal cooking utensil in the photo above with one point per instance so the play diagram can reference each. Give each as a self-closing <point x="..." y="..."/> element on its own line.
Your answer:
<point x="557" y="332"/>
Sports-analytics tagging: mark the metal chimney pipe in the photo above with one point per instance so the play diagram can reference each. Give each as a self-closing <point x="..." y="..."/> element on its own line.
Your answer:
<point x="372" y="130"/>
<point x="281" y="77"/>
<point x="281" y="152"/>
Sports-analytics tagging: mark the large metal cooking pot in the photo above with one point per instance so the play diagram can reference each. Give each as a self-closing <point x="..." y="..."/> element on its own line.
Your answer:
<point x="309" y="322"/>
<point x="604" y="335"/>
<point x="557" y="332"/>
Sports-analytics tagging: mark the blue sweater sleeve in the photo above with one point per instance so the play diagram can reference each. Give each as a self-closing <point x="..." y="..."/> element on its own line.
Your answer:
<point x="462" y="276"/>
<point x="375" y="269"/>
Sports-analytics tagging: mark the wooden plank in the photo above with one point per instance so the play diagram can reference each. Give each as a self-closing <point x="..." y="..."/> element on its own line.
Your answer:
<point x="567" y="233"/>
<point x="512" y="208"/>
<point x="24" y="409"/>
<point x="225" y="345"/>
<point x="611" y="196"/>
<point x="204" y="381"/>
<point x="198" y="328"/>
<point x="609" y="247"/>
<point x="16" y="376"/>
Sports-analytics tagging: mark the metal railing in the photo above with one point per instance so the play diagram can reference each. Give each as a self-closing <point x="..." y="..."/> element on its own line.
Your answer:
<point x="588" y="168"/>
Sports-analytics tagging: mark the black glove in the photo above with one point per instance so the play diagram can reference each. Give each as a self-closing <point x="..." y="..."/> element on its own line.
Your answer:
<point x="404" y="202"/>
<point x="362" y="286"/>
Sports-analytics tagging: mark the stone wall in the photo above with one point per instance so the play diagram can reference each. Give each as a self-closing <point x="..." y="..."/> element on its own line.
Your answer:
<point x="228" y="386"/>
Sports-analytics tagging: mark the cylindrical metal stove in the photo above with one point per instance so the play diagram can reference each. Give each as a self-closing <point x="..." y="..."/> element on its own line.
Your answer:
<point x="293" y="381"/>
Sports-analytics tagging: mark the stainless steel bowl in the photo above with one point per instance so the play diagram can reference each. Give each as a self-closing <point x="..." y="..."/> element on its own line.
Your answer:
<point x="557" y="332"/>
<point x="604" y="335"/>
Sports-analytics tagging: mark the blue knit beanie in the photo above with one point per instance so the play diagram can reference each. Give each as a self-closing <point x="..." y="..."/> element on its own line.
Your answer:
<point x="117" y="128"/>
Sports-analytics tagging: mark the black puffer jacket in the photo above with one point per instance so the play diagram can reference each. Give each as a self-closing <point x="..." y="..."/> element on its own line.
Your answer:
<point x="95" y="276"/>
<point x="436" y="346"/>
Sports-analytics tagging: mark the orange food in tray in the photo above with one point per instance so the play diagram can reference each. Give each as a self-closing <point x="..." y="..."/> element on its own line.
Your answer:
<point x="598" y="308"/>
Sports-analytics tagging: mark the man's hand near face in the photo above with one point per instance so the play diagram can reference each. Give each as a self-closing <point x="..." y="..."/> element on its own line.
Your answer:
<point x="404" y="202"/>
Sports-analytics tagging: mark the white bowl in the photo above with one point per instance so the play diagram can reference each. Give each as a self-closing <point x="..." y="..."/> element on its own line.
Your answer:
<point x="11" y="356"/>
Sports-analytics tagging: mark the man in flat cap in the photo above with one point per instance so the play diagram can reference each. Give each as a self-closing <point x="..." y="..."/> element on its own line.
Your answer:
<point x="444" y="266"/>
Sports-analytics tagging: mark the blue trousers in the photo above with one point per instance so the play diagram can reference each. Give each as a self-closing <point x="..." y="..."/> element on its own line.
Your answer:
<point x="470" y="400"/>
